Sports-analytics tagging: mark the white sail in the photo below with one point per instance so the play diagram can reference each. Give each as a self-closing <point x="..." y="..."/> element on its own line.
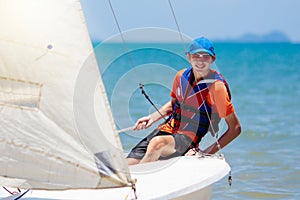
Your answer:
<point x="56" y="127"/>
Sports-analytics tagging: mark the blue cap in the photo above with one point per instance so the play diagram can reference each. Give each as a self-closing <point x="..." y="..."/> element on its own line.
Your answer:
<point x="202" y="44"/>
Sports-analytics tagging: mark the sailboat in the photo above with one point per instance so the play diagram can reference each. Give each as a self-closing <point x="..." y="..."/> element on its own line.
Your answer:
<point x="58" y="139"/>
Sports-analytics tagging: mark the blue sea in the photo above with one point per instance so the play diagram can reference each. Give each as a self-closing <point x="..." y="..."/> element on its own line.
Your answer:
<point x="264" y="79"/>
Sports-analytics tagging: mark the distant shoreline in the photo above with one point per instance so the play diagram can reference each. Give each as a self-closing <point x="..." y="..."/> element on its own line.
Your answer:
<point x="95" y="43"/>
<point x="271" y="37"/>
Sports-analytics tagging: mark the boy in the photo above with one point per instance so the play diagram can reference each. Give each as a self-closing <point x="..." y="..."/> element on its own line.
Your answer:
<point x="200" y="96"/>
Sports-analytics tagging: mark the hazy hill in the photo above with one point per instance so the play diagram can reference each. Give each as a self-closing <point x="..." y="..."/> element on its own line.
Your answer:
<point x="275" y="36"/>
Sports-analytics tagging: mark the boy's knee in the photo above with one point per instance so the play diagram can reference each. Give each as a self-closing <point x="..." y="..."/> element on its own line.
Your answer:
<point x="156" y="143"/>
<point x="159" y="142"/>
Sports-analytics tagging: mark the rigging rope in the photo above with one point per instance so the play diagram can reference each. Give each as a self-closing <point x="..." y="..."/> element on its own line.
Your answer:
<point x="215" y="134"/>
<point x="141" y="86"/>
<point x="175" y="19"/>
<point x="15" y="193"/>
<point x="122" y="36"/>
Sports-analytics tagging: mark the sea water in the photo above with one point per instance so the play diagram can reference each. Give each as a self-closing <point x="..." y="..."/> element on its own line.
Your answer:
<point x="264" y="79"/>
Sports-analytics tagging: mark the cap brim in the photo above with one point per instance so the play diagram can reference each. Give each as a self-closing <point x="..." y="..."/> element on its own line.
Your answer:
<point x="201" y="50"/>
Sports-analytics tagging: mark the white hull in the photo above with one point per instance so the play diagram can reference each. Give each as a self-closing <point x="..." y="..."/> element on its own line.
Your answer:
<point x="178" y="178"/>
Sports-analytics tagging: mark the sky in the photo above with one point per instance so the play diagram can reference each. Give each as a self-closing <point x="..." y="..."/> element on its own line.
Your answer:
<point x="215" y="19"/>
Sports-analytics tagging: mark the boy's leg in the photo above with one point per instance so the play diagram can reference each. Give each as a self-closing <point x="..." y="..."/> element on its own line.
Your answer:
<point x="163" y="145"/>
<point x="139" y="151"/>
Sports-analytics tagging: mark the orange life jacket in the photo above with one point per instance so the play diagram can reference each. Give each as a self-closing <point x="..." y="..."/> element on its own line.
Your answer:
<point x="191" y="112"/>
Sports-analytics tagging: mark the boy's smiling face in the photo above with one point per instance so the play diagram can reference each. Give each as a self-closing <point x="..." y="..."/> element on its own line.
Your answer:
<point x="200" y="62"/>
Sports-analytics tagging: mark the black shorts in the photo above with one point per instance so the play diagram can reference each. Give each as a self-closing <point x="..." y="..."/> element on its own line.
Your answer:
<point x="182" y="145"/>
